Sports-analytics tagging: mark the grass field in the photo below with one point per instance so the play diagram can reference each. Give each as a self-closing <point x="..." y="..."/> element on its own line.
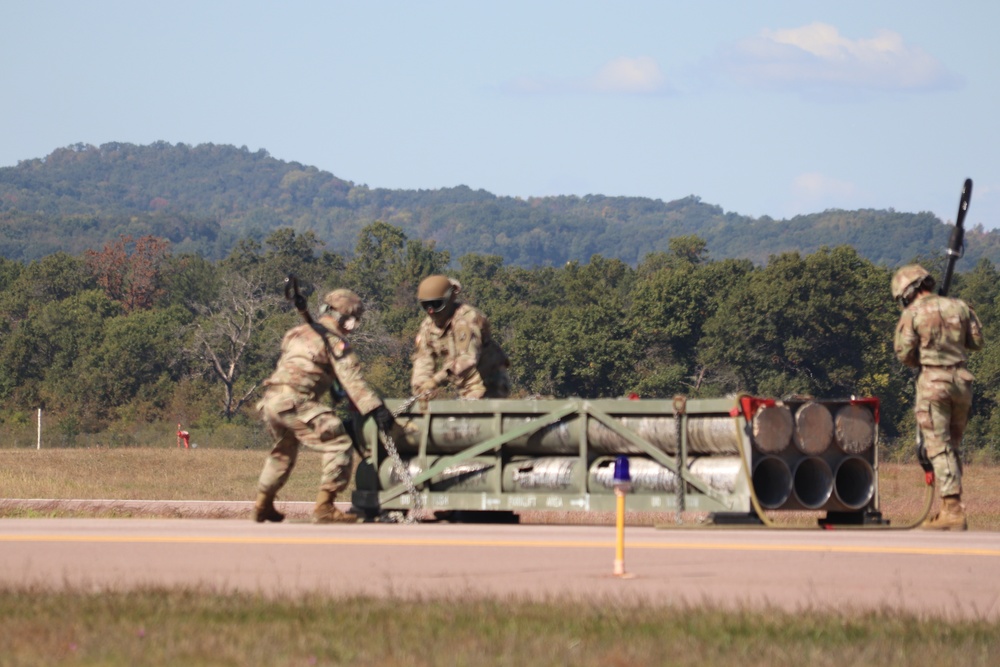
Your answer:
<point x="186" y="628"/>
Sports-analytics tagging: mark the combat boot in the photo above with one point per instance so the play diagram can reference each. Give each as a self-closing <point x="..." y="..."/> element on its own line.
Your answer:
<point x="263" y="509"/>
<point x="326" y="512"/>
<point x="951" y="516"/>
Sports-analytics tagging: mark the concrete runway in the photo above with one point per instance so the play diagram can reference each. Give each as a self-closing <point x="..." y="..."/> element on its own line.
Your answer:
<point x="954" y="575"/>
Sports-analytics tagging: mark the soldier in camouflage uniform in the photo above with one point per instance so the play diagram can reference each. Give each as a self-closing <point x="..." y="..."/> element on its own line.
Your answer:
<point x="455" y="345"/>
<point x="315" y="355"/>
<point x="935" y="334"/>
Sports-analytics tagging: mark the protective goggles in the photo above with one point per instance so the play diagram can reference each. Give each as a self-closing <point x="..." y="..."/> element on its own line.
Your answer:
<point x="434" y="305"/>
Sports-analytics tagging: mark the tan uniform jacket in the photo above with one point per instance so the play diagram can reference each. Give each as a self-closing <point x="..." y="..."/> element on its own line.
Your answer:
<point x="463" y="351"/>
<point x="937" y="331"/>
<point x="312" y="357"/>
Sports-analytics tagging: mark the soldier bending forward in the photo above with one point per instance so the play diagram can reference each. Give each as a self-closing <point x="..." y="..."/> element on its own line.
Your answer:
<point x="313" y="357"/>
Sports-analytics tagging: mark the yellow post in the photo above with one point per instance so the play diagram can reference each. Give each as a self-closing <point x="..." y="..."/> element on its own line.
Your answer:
<point x="620" y="533"/>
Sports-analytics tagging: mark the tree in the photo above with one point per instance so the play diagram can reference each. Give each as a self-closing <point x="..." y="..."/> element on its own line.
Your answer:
<point x="228" y="331"/>
<point x="799" y="326"/>
<point x="128" y="270"/>
<point x="51" y="278"/>
<point x="378" y="250"/>
<point x="669" y="309"/>
<point x="288" y="252"/>
<point x="138" y="359"/>
<point x="690" y="249"/>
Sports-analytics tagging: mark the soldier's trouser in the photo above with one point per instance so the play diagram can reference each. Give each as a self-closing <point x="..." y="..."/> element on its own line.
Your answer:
<point x="944" y="396"/>
<point x="314" y="427"/>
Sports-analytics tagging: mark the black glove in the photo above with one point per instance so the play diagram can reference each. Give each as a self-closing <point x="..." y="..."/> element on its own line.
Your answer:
<point x="925" y="462"/>
<point x="383" y="418"/>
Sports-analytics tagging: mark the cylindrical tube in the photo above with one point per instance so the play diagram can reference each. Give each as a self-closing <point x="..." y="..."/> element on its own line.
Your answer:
<point x="472" y="476"/>
<point x="772" y="482"/>
<point x="449" y="434"/>
<point x="813" y="428"/>
<point x="553" y="474"/>
<point x="854" y="426"/>
<point x="706" y="435"/>
<point x="772" y="428"/>
<point x="854" y="483"/>
<point x="648" y="476"/>
<point x="812" y="482"/>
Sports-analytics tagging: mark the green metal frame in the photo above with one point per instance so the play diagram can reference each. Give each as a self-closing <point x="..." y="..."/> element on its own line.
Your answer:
<point x="697" y="494"/>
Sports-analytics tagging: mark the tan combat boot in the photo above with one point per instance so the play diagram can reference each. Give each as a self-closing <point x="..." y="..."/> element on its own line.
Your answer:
<point x="325" y="511"/>
<point x="263" y="509"/>
<point x="951" y="516"/>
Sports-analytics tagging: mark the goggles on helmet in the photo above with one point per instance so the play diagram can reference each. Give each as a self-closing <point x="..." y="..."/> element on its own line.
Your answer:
<point x="434" y="305"/>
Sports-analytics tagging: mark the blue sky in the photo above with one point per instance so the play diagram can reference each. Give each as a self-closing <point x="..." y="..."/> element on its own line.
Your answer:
<point x="763" y="108"/>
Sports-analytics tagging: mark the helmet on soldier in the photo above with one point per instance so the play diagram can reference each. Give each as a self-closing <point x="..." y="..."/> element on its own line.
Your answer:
<point x="908" y="280"/>
<point x="435" y="293"/>
<point x="346" y="304"/>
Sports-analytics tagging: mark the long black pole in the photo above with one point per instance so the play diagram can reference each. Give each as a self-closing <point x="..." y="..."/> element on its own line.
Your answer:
<point x="956" y="245"/>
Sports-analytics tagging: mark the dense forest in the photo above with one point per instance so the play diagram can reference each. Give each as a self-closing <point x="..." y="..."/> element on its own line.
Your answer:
<point x="137" y="333"/>
<point x="204" y="199"/>
<point x="145" y="285"/>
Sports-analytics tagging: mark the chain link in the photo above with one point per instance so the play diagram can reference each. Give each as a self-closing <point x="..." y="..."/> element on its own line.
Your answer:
<point x="680" y="405"/>
<point x="402" y="471"/>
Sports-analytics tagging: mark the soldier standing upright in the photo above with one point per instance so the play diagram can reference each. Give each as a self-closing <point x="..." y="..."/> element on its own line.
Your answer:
<point x="315" y="355"/>
<point x="455" y="345"/>
<point x="935" y="334"/>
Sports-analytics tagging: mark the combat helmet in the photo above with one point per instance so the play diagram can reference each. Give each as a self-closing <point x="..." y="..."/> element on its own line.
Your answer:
<point x="435" y="292"/>
<point x="908" y="280"/>
<point x="344" y="302"/>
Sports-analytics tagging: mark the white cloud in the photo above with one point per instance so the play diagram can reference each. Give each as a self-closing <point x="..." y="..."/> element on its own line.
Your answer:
<point x="817" y="57"/>
<point x="623" y="75"/>
<point x="629" y="75"/>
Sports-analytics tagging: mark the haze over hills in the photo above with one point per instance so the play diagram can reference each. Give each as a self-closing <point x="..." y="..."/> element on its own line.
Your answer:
<point x="205" y="198"/>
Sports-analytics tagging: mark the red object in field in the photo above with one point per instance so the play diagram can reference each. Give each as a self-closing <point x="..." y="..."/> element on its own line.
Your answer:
<point x="185" y="436"/>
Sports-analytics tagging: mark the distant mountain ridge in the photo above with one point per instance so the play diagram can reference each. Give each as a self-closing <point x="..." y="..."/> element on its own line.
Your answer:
<point x="205" y="198"/>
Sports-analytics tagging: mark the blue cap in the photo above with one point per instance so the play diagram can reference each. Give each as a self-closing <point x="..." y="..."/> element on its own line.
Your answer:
<point x="621" y="470"/>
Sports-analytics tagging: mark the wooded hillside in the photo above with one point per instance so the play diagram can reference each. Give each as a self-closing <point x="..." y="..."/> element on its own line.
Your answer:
<point x="204" y="198"/>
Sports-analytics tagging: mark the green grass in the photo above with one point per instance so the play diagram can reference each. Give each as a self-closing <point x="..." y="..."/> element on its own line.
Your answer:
<point x="157" y="627"/>
<point x="133" y="473"/>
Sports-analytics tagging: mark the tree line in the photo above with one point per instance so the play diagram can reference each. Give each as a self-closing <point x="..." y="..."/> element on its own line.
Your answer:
<point x="135" y="332"/>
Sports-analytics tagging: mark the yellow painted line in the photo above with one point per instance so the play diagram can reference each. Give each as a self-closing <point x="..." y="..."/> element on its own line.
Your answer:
<point x="519" y="544"/>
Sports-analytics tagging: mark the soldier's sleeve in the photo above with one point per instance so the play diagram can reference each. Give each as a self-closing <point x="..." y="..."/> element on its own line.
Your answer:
<point x="423" y="362"/>
<point x="974" y="337"/>
<point x="468" y="345"/>
<point x="906" y="342"/>
<point x="348" y="370"/>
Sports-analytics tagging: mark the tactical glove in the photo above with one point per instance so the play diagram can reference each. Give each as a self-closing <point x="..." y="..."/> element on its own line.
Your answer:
<point x="383" y="418"/>
<point x="925" y="462"/>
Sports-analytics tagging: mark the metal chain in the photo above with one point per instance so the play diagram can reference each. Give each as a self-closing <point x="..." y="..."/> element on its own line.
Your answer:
<point x="402" y="471"/>
<point x="680" y="405"/>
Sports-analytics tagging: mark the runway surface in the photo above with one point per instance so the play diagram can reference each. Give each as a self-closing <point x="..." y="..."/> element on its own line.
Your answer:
<point x="955" y="575"/>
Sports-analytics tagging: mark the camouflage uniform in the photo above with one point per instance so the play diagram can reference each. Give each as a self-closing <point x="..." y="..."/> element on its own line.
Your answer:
<point x="935" y="333"/>
<point x="467" y="353"/>
<point x="313" y="356"/>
